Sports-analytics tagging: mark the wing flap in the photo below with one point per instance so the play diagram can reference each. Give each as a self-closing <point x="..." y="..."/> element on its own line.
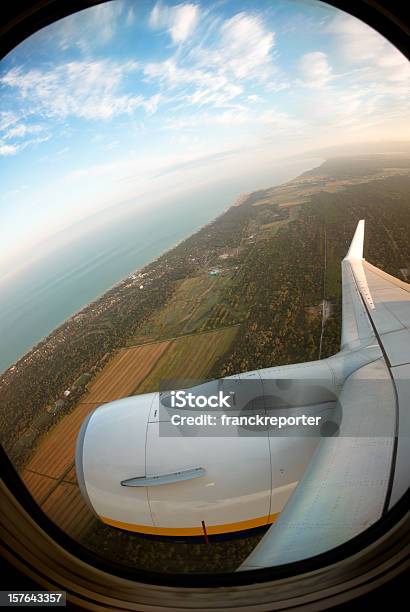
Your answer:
<point x="391" y="313"/>
<point x="357" y="330"/>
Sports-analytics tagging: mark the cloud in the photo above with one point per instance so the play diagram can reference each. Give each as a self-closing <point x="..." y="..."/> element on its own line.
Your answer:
<point x="358" y="44"/>
<point x="8" y="149"/>
<point x="241" y="49"/>
<point x="356" y="40"/>
<point x="86" y="89"/>
<point x="7" y="118"/>
<point x="217" y="96"/>
<point x="368" y="89"/>
<point x="180" y="21"/>
<point x="195" y="162"/>
<point x="269" y="119"/>
<point x="245" y="46"/>
<point x="86" y="29"/>
<point x="21" y="130"/>
<point x="13" y="148"/>
<point x="211" y="71"/>
<point x="12" y="132"/>
<point x="315" y="69"/>
<point x="185" y="20"/>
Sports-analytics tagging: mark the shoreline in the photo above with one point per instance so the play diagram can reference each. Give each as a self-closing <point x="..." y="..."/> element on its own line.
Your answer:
<point x="239" y="201"/>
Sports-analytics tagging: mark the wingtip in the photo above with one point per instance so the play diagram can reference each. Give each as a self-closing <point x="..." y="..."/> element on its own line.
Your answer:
<point x="356" y="246"/>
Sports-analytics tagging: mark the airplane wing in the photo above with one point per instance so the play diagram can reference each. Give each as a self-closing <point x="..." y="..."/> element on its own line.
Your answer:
<point x="375" y="304"/>
<point x="356" y="476"/>
<point x="386" y="300"/>
<point x="356" y="326"/>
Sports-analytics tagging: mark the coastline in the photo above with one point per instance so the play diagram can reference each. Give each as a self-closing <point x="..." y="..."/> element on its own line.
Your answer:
<point x="238" y="201"/>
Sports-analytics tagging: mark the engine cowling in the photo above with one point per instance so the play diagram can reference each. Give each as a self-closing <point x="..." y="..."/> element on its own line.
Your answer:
<point x="140" y="472"/>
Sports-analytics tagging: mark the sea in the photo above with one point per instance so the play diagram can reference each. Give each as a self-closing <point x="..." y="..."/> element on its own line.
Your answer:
<point x="50" y="289"/>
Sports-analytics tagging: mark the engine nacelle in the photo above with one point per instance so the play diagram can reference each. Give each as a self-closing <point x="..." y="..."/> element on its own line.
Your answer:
<point x="139" y="472"/>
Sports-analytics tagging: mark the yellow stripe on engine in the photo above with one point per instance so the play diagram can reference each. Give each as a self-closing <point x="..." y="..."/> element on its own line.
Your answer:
<point x="193" y="531"/>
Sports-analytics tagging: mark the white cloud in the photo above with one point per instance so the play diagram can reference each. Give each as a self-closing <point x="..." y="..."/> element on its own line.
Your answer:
<point x="368" y="89"/>
<point x="237" y="117"/>
<point x="242" y="50"/>
<point x="7" y="118"/>
<point x="246" y="46"/>
<point x="93" y="27"/>
<point x="269" y="119"/>
<point x="359" y="44"/>
<point x="218" y="96"/>
<point x="21" y="130"/>
<point x="277" y="85"/>
<point x="315" y="69"/>
<point x="395" y="66"/>
<point x="175" y="74"/>
<point x="87" y="89"/>
<point x="151" y="104"/>
<point x="180" y="21"/>
<point x="15" y="147"/>
<point x="211" y="74"/>
<point x="219" y="84"/>
<point x="185" y="20"/>
<point x="356" y="40"/>
<point x="8" y="149"/>
<point x="159" y="16"/>
<point x="194" y="86"/>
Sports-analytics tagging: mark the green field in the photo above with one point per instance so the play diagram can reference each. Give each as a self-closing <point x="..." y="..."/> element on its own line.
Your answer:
<point x="189" y="358"/>
<point x="196" y="305"/>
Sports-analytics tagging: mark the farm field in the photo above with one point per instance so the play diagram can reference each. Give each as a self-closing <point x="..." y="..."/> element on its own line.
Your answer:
<point x="125" y="372"/>
<point x="188" y="309"/>
<point x="55" y="452"/>
<point x="300" y="190"/>
<point x="189" y="357"/>
<point x="270" y="229"/>
<point x="50" y="475"/>
<point x="66" y="507"/>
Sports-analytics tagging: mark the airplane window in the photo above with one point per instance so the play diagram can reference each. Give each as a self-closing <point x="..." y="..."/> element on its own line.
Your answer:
<point x="205" y="279"/>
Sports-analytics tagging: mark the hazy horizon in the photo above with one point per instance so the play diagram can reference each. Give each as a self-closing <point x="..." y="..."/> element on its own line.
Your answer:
<point x="48" y="290"/>
<point x="94" y="222"/>
<point x="91" y="223"/>
<point x="153" y="103"/>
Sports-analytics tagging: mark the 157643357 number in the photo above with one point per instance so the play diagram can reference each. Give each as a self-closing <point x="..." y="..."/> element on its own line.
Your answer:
<point x="32" y="598"/>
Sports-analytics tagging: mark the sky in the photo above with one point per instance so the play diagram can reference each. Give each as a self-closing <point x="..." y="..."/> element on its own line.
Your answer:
<point x="145" y="102"/>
